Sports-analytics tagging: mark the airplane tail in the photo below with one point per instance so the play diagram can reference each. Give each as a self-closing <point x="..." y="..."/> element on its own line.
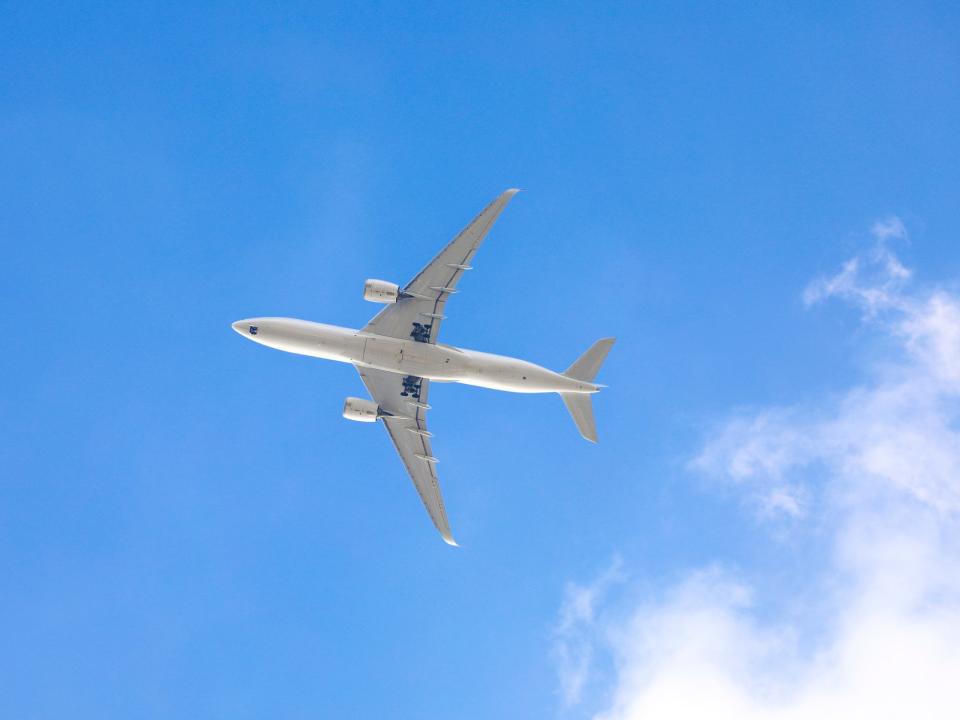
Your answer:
<point x="580" y="405"/>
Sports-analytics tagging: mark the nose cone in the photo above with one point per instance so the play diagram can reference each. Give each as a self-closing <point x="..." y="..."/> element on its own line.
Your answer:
<point x="252" y="329"/>
<point x="249" y="328"/>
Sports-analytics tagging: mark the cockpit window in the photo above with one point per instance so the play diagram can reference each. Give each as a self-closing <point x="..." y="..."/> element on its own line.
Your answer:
<point x="254" y="329"/>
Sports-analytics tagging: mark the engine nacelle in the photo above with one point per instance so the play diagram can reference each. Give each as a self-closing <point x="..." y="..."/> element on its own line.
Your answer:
<point x="381" y="291"/>
<point x="360" y="410"/>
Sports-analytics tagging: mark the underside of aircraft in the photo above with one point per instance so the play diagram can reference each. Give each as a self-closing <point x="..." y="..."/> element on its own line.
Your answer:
<point x="398" y="355"/>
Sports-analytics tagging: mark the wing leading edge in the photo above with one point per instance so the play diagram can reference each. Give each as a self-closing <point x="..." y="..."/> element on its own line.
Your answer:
<point x="403" y="400"/>
<point x="419" y="312"/>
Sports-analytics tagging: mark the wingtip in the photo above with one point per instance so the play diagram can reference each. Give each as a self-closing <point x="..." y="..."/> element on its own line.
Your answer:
<point x="448" y="539"/>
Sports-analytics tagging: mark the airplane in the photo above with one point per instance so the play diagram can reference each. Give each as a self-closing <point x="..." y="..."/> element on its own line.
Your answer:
<point x="397" y="355"/>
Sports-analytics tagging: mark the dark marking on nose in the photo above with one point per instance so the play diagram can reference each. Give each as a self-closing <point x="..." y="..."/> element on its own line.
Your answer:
<point x="254" y="329"/>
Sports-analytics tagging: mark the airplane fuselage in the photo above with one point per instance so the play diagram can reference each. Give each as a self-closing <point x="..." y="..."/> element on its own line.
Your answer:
<point x="437" y="362"/>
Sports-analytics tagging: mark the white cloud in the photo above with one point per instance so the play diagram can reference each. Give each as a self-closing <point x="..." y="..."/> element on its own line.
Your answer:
<point x="873" y="281"/>
<point x="879" y="467"/>
<point x="574" y="642"/>
<point x="891" y="228"/>
<point x="897" y="431"/>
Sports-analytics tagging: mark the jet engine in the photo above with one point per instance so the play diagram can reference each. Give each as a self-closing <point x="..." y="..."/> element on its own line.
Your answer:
<point x="360" y="410"/>
<point x="380" y="291"/>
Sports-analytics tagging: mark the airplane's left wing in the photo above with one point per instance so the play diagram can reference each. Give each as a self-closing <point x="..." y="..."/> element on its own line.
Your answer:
<point x="403" y="401"/>
<point x="418" y="312"/>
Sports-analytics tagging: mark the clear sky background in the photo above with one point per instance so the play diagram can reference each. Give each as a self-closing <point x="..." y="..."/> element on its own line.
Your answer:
<point x="188" y="528"/>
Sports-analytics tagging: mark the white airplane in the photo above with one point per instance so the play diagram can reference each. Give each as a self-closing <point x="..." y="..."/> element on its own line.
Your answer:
<point x="397" y="356"/>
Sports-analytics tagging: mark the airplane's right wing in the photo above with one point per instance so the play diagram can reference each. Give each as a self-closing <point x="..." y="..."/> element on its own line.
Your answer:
<point x="403" y="400"/>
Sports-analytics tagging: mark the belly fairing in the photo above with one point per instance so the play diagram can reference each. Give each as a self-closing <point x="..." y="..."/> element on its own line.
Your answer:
<point x="436" y="362"/>
<point x="382" y="353"/>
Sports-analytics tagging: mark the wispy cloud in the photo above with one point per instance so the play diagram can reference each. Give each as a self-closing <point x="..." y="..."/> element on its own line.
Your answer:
<point x="879" y="466"/>
<point x="872" y="281"/>
<point x="575" y="630"/>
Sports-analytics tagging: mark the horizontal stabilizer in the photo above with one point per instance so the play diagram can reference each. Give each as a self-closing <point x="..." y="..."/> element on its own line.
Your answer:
<point x="588" y="365"/>
<point x="580" y="407"/>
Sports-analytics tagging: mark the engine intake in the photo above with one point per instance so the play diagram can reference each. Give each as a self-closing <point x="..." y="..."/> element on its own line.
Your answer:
<point x="381" y="291"/>
<point x="360" y="410"/>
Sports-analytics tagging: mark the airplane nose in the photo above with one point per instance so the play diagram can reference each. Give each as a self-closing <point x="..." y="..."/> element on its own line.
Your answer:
<point x="248" y="328"/>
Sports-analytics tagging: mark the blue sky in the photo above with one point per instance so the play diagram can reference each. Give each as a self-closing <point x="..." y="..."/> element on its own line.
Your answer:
<point x="189" y="528"/>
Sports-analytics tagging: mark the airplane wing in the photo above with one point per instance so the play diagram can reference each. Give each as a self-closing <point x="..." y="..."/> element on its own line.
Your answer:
<point x="404" y="397"/>
<point x="417" y="314"/>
